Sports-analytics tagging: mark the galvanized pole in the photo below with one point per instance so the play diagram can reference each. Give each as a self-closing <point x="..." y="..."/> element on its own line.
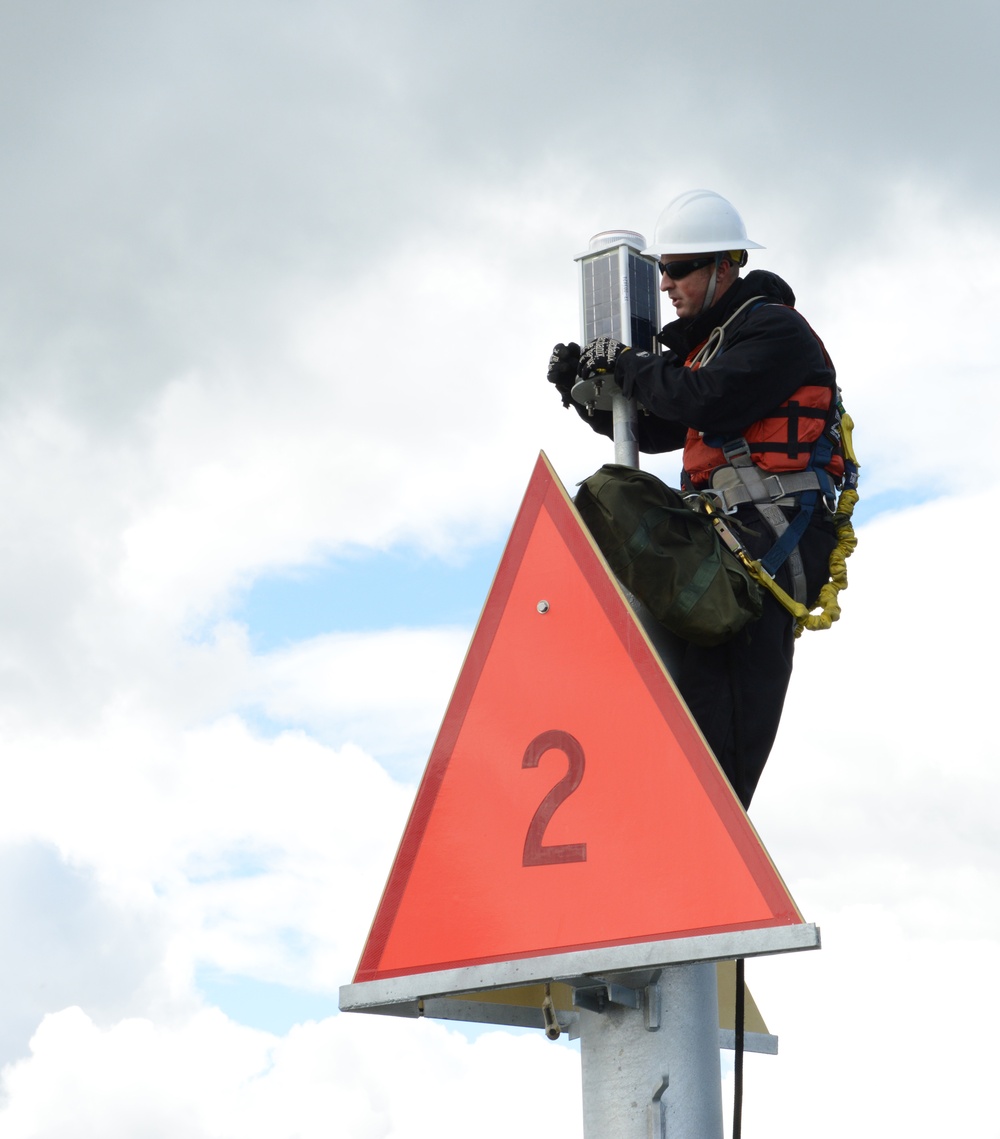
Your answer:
<point x="649" y="1044"/>
<point x="652" y="1071"/>
<point x="625" y="417"/>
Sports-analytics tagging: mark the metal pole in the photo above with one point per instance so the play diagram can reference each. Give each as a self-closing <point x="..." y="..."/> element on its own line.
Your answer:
<point x="624" y="417"/>
<point x="650" y="1065"/>
<point x="653" y="1072"/>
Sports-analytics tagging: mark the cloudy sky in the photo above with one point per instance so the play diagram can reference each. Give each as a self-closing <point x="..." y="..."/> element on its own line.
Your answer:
<point x="278" y="283"/>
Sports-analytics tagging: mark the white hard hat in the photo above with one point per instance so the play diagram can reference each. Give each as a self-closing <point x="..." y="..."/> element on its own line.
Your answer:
<point x="699" y="221"/>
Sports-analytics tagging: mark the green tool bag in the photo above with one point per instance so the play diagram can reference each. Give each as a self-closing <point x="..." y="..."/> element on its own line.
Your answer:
<point x="668" y="555"/>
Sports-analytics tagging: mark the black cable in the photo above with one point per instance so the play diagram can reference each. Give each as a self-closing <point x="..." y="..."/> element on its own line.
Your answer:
<point x="738" y="1059"/>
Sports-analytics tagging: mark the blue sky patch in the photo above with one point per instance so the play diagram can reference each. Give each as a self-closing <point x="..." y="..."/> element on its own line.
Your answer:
<point x="872" y="505"/>
<point x="369" y="591"/>
<point x="236" y="863"/>
<point x="262" y="1004"/>
<point x="402" y="588"/>
<point x="278" y="1008"/>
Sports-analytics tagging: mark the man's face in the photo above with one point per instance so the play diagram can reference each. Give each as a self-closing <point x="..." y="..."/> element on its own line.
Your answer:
<point x="687" y="295"/>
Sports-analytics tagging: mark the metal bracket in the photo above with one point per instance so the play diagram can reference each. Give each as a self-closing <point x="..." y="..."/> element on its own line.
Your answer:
<point x="652" y="1006"/>
<point x="597" y="997"/>
<point x="596" y="391"/>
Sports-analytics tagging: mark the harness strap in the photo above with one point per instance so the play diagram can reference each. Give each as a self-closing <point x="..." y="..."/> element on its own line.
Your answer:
<point x="782" y="488"/>
<point x="787" y="535"/>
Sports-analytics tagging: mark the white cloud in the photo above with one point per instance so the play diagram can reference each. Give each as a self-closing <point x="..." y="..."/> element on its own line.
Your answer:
<point x="208" y="1078"/>
<point x="387" y="689"/>
<point x="264" y="857"/>
<point x="855" y="1020"/>
<point x="908" y="322"/>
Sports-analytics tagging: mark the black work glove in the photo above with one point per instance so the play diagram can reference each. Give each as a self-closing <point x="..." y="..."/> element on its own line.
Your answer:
<point x="563" y="364"/>
<point x="601" y="355"/>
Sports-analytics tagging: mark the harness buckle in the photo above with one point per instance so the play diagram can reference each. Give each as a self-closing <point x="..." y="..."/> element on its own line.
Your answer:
<point x="721" y="503"/>
<point x="737" y="451"/>
<point x="770" y="482"/>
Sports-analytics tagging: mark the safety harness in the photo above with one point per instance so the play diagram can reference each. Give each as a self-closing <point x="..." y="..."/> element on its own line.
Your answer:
<point x="740" y="481"/>
<point x="827" y="604"/>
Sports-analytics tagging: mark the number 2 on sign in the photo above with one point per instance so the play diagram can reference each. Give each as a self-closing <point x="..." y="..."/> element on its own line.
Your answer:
<point x="535" y="852"/>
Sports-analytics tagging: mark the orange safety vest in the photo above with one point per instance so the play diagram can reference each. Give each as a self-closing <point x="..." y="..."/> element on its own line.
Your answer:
<point x="783" y="441"/>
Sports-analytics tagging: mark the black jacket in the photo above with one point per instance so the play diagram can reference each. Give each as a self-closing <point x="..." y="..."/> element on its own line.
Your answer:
<point x="768" y="352"/>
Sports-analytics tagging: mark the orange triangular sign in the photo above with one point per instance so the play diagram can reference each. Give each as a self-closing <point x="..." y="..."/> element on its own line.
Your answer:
<point x="570" y="802"/>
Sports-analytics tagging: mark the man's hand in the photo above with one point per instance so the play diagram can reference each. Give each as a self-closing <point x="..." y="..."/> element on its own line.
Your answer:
<point x="563" y="364"/>
<point x="601" y="355"/>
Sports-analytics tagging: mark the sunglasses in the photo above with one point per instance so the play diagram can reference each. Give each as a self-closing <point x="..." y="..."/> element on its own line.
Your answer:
<point x="678" y="270"/>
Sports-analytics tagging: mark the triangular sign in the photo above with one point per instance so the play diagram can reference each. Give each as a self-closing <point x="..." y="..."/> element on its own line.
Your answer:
<point x="570" y="802"/>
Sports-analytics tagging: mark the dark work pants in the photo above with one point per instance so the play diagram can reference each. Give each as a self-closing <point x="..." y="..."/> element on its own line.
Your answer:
<point x="736" y="691"/>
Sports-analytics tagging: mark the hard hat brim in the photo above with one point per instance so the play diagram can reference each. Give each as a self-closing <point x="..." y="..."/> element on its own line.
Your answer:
<point x="657" y="251"/>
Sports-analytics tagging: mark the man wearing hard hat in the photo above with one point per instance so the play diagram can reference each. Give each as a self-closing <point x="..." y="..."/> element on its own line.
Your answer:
<point x="747" y="389"/>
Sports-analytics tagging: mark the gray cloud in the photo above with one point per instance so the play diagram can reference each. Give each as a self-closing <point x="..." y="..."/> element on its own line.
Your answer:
<point x="66" y="944"/>
<point x="170" y="173"/>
